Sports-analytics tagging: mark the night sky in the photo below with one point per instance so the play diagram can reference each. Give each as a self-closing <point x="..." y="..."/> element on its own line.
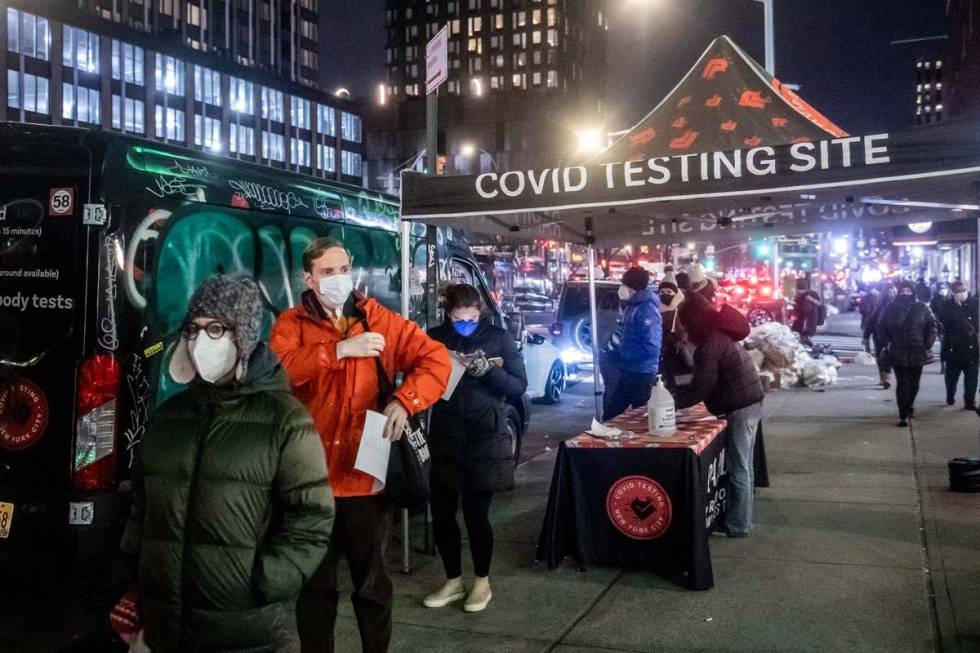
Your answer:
<point x="838" y="51"/>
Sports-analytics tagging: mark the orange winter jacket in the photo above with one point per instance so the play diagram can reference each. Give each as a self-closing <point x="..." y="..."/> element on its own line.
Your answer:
<point x="338" y="393"/>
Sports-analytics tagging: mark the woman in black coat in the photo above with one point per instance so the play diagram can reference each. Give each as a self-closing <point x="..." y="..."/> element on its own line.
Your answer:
<point x="471" y="449"/>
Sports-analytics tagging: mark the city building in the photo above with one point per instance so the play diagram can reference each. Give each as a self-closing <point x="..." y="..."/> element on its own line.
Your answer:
<point x="962" y="59"/>
<point x="929" y="92"/>
<point x="236" y="78"/>
<point x="524" y="77"/>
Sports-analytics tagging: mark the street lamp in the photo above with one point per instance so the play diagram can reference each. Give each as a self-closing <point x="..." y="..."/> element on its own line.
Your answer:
<point x="469" y="150"/>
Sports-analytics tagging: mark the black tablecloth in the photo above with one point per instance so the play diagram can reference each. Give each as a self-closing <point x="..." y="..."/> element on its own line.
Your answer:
<point x="652" y="507"/>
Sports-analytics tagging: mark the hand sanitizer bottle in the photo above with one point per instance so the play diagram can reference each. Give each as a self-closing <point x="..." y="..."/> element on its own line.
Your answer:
<point x="660" y="410"/>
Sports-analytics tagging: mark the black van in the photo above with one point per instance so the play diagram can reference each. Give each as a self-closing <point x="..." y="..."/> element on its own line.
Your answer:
<point x="103" y="238"/>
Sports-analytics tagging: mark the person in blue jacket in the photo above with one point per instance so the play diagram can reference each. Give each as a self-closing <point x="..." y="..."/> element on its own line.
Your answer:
<point x="638" y="353"/>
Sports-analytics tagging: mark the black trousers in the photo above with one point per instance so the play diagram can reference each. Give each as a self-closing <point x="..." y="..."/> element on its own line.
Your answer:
<point x="906" y="388"/>
<point x="361" y="530"/>
<point x="476" y="515"/>
<point x="970" y="374"/>
<point x="632" y="391"/>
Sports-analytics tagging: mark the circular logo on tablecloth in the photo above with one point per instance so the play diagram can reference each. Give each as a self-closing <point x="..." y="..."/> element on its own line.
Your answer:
<point x="639" y="507"/>
<point x="23" y="415"/>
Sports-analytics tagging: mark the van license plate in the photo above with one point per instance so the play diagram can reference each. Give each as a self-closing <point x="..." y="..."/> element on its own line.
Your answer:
<point x="6" y="519"/>
<point x="81" y="513"/>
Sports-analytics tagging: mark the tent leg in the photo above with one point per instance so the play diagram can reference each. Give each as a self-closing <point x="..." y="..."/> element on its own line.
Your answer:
<point x="406" y="310"/>
<point x="593" y="320"/>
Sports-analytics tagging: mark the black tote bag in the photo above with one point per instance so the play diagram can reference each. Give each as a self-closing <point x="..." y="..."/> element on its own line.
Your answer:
<point x="409" y="463"/>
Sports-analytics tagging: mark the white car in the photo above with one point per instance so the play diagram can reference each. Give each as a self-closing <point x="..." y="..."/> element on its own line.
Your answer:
<point x="546" y="372"/>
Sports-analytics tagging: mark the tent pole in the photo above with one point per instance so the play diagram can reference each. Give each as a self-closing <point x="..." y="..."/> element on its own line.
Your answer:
<point x="594" y="322"/>
<point x="406" y="267"/>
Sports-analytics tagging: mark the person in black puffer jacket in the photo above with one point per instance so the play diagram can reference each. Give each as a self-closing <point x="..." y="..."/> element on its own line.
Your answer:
<point x="906" y="332"/>
<point x="471" y="449"/>
<point x="726" y="381"/>
<point x="958" y="318"/>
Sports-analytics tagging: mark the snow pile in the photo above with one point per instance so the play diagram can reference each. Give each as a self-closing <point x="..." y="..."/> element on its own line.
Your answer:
<point x="776" y="350"/>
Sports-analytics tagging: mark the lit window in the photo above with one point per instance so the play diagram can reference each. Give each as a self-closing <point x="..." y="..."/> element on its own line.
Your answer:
<point x="242" y="140"/>
<point x="207" y="132"/>
<point x="350" y="127"/>
<point x="299" y="113"/>
<point x="299" y="152"/>
<point x="127" y="63"/>
<point x="476" y="86"/>
<point x="80" y="103"/>
<point x="326" y="123"/>
<point x="273" y="147"/>
<point x="241" y="95"/>
<point x="207" y="86"/>
<point x="326" y="158"/>
<point x="81" y="49"/>
<point x="127" y="114"/>
<point x="169" y="123"/>
<point x="272" y="105"/>
<point x="552" y="79"/>
<point x="35" y="93"/>
<point x="170" y="75"/>
<point x="28" y="34"/>
<point x="351" y="163"/>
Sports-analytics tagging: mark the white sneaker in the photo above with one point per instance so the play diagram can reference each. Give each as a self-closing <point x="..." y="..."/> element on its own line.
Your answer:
<point x="453" y="590"/>
<point x="477" y="601"/>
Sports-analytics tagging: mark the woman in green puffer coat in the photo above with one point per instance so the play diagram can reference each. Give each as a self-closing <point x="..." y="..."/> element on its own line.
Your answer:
<point x="232" y="510"/>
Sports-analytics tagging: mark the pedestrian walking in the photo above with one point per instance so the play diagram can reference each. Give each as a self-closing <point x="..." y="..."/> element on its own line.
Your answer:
<point x="231" y="509"/>
<point x="922" y="292"/>
<point x="472" y="454"/>
<point x="869" y="302"/>
<point x="329" y="346"/>
<point x="726" y="381"/>
<point x="638" y="354"/>
<point x="806" y="310"/>
<point x="936" y="305"/>
<point x="906" y="332"/>
<point x="886" y="297"/>
<point x="959" y="319"/>
<point x="701" y="283"/>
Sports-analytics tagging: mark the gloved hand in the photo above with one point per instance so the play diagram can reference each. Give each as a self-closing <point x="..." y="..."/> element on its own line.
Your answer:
<point x="867" y="344"/>
<point x="479" y="366"/>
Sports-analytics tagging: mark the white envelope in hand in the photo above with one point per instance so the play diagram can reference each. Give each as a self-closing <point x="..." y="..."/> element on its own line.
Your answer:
<point x="372" y="455"/>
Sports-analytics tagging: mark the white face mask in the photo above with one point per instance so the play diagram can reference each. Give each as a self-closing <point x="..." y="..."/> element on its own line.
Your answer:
<point x="335" y="289"/>
<point x="624" y="293"/>
<point x="212" y="359"/>
<point x="960" y="296"/>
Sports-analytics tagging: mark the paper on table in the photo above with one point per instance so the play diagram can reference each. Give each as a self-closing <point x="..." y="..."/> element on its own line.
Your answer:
<point x="600" y="430"/>
<point x="459" y="368"/>
<point x="372" y="455"/>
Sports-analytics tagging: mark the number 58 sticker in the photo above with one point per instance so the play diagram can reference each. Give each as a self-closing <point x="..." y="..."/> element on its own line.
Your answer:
<point x="61" y="201"/>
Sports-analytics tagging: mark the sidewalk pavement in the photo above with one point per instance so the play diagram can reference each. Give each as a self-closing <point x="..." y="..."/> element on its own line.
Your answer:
<point x="859" y="546"/>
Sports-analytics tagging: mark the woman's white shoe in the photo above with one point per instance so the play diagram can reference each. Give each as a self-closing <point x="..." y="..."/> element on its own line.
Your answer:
<point x="453" y="590"/>
<point x="477" y="600"/>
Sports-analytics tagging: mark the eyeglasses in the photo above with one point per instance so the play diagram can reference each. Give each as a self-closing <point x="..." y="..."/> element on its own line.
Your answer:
<point x="214" y="329"/>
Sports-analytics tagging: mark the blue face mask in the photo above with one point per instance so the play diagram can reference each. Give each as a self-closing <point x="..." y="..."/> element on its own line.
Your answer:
<point x="465" y="328"/>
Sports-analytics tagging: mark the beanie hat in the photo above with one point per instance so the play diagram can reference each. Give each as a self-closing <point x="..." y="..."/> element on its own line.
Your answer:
<point x="669" y="280"/>
<point x="696" y="274"/>
<point x="636" y="278"/>
<point x="234" y="301"/>
<point x="906" y="284"/>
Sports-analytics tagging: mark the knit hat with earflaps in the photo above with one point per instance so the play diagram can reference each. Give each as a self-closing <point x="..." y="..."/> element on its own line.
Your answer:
<point x="233" y="301"/>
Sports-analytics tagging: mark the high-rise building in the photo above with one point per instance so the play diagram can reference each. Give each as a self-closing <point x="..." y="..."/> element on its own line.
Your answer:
<point x="962" y="59"/>
<point x="524" y="76"/>
<point x="231" y="76"/>
<point x="929" y="92"/>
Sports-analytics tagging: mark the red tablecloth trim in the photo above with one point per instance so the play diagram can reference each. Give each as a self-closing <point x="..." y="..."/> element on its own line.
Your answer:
<point x="695" y="431"/>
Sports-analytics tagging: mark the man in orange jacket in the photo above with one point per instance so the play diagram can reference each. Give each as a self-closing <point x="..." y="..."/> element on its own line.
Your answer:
<point x="327" y="345"/>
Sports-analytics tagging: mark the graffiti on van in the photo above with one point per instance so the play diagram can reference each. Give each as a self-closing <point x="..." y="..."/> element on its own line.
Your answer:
<point x="266" y="197"/>
<point x="138" y="387"/>
<point x="112" y="256"/>
<point x="164" y="186"/>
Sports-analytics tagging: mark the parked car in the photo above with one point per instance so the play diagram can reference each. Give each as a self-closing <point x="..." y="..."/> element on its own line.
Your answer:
<point x="529" y="300"/>
<point x="571" y="332"/>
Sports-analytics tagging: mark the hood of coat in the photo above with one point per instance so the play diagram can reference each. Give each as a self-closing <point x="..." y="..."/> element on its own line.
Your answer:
<point x="646" y="296"/>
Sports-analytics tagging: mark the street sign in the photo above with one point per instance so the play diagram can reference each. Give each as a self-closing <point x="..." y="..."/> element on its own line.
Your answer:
<point x="437" y="60"/>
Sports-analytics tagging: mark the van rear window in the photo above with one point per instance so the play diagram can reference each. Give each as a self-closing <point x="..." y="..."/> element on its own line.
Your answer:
<point x="37" y="259"/>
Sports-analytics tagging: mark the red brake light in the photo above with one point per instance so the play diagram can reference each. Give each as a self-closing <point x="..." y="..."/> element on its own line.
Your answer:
<point x="95" y="426"/>
<point x="765" y="290"/>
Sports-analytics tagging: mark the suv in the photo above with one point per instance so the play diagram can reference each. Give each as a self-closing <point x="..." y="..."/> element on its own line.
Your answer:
<point x="572" y="330"/>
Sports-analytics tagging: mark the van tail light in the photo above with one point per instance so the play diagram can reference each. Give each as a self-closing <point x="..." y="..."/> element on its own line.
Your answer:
<point x="557" y="329"/>
<point x="95" y="427"/>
